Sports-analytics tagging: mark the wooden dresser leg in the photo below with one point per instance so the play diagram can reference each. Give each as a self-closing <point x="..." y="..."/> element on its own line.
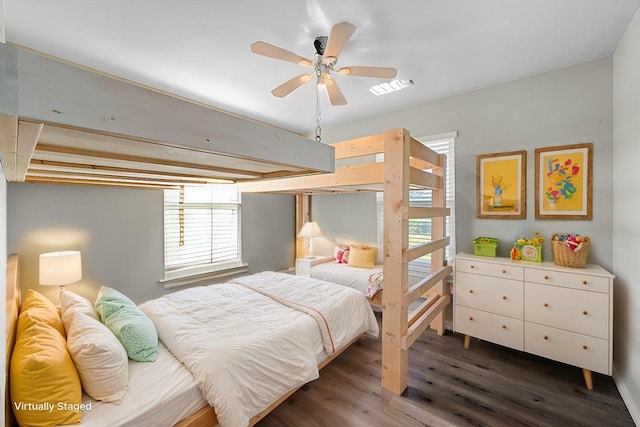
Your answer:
<point x="467" y="341"/>
<point x="588" y="379"/>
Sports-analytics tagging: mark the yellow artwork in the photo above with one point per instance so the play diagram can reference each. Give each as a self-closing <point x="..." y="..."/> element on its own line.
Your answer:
<point x="563" y="182"/>
<point x="500" y="185"/>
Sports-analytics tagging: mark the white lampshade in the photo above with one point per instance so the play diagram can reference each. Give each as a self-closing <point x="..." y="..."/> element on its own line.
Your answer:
<point x="60" y="268"/>
<point x="310" y="229"/>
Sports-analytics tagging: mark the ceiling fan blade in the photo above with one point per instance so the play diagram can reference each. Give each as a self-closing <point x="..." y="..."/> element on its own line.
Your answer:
<point x="338" y="37"/>
<point x="335" y="94"/>
<point x="290" y="85"/>
<point x="266" y="49"/>
<point x="384" y="72"/>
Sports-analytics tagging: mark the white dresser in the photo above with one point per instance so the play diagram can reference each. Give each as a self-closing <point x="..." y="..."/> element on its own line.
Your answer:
<point x="562" y="313"/>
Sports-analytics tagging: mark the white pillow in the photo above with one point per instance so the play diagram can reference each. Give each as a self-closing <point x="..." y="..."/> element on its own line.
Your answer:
<point x="71" y="303"/>
<point x="100" y="359"/>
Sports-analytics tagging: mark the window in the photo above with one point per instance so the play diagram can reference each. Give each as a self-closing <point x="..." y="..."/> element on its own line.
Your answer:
<point x="420" y="229"/>
<point x="201" y="229"/>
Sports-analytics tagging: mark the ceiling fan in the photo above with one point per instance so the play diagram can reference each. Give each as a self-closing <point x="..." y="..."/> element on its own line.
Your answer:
<point x="325" y="59"/>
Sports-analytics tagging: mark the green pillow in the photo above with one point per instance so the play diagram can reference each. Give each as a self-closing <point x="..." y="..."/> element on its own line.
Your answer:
<point x="130" y="325"/>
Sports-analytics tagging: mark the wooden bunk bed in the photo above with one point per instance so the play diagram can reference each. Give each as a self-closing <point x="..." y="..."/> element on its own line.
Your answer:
<point x="62" y="123"/>
<point x="408" y="165"/>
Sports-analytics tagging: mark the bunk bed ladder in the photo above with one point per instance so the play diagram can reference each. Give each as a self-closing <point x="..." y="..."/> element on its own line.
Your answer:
<point x="404" y="162"/>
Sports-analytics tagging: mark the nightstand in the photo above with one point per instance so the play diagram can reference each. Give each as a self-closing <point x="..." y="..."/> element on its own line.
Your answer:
<point x="303" y="265"/>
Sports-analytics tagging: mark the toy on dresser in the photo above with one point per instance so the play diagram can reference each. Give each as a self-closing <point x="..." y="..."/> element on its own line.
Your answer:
<point x="570" y="250"/>
<point x="485" y="246"/>
<point x="528" y="249"/>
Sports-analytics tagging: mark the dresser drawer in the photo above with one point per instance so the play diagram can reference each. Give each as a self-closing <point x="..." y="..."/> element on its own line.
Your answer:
<point x="577" y="311"/>
<point x="505" y="271"/>
<point x="497" y="295"/>
<point x="576" y="280"/>
<point x="568" y="347"/>
<point x="490" y="327"/>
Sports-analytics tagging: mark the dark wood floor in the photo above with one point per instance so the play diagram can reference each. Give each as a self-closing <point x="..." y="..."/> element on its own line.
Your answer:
<point x="487" y="385"/>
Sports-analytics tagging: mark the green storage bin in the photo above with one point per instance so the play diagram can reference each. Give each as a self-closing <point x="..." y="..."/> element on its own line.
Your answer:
<point x="485" y="246"/>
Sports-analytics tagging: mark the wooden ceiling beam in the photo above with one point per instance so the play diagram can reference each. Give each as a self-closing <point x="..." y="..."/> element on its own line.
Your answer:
<point x="141" y="159"/>
<point x="68" y="181"/>
<point x="28" y="136"/>
<point x="56" y="166"/>
<point x="126" y="178"/>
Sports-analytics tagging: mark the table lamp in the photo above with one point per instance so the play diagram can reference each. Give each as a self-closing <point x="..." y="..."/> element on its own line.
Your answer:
<point x="60" y="268"/>
<point x="308" y="232"/>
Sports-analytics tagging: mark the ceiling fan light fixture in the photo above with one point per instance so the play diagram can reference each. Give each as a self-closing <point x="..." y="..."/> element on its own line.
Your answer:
<point x="329" y="61"/>
<point x="392" y="86"/>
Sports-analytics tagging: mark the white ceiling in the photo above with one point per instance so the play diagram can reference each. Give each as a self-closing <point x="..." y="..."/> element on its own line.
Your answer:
<point x="199" y="49"/>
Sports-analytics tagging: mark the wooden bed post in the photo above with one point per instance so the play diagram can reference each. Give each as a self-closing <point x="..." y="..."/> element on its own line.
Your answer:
<point x="438" y="231"/>
<point x="396" y="270"/>
<point x="303" y="214"/>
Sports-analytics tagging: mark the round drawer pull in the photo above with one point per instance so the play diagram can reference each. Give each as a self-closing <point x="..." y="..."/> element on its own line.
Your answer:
<point x="504" y="297"/>
<point x="585" y="312"/>
<point x="546" y="305"/>
<point x="471" y="318"/>
<point x="584" y="346"/>
<point x="546" y="337"/>
<point x="504" y="271"/>
<point x="584" y="282"/>
<point x="546" y="277"/>
<point x="472" y="266"/>
<point x="470" y="291"/>
<point x="504" y="326"/>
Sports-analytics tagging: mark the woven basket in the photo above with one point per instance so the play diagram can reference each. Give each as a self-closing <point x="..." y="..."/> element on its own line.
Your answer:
<point x="565" y="257"/>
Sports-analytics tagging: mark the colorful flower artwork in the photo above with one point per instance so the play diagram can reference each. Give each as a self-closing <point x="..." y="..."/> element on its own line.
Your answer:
<point x="559" y="177"/>
<point x="563" y="182"/>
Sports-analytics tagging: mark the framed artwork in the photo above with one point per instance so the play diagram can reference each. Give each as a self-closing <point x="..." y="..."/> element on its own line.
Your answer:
<point x="501" y="185"/>
<point x="564" y="182"/>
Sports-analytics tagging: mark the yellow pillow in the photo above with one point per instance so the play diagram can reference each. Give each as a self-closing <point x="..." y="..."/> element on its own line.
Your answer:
<point x="45" y="387"/>
<point x="362" y="256"/>
<point x="42" y="309"/>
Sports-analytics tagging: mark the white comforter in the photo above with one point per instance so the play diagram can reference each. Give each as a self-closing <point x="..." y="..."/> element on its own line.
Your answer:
<point x="346" y="275"/>
<point x="246" y="350"/>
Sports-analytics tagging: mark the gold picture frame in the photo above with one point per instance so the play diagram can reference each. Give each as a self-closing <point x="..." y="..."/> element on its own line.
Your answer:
<point x="564" y="182"/>
<point x="501" y="185"/>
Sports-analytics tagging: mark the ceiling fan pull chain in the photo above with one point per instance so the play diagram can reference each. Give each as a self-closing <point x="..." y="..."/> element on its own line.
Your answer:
<point x="318" y="110"/>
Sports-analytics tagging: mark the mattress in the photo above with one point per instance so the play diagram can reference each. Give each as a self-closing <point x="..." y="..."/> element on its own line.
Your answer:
<point x="250" y="341"/>
<point x="160" y="393"/>
<point x="345" y="275"/>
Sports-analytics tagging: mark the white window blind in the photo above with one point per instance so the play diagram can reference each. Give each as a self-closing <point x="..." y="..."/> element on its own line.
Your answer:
<point x="202" y="227"/>
<point x="420" y="229"/>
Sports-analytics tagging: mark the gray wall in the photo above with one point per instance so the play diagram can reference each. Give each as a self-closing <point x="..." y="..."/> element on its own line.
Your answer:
<point x="120" y="234"/>
<point x="348" y="217"/>
<point x="566" y="106"/>
<point x="626" y="228"/>
<point x="268" y="231"/>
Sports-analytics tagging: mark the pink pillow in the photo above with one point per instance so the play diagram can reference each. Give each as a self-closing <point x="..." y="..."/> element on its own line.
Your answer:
<point x="341" y="254"/>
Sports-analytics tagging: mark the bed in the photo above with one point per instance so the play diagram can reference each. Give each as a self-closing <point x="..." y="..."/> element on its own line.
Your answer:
<point x="343" y="274"/>
<point x="240" y="319"/>
<point x="408" y="165"/>
<point x="165" y="406"/>
<point x="369" y="281"/>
